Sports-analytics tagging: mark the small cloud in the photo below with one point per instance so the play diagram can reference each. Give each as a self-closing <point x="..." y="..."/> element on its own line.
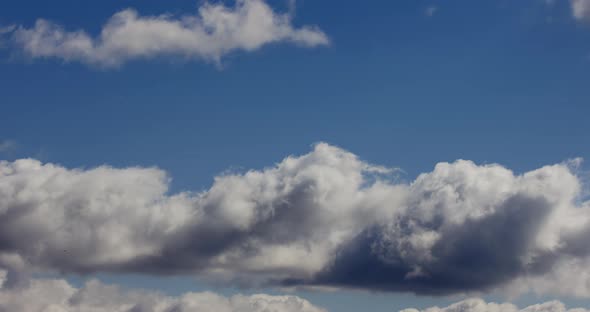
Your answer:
<point x="581" y="9"/>
<point x="430" y="10"/>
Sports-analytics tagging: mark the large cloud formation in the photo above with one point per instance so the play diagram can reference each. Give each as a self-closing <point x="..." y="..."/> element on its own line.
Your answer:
<point x="209" y="35"/>
<point x="478" y="305"/>
<point x="56" y="295"/>
<point x="326" y="218"/>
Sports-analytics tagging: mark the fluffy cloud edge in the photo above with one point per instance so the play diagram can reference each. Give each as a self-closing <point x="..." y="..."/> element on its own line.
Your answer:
<point x="211" y="34"/>
<point x="58" y="295"/>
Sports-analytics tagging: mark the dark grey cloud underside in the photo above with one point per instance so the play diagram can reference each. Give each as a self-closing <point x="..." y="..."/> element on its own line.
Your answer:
<point x="479" y="255"/>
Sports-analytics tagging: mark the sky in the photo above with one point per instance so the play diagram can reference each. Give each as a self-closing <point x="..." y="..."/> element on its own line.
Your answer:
<point x="294" y="155"/>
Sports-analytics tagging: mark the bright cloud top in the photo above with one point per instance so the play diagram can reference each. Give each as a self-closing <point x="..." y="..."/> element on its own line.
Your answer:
<point x="56" y="295"/>
<point x="212" y="33"/>
<point x="458" y="229"/>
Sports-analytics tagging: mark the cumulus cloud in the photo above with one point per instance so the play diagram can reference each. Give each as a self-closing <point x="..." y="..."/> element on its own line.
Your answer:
<point x="478" y="305"/>
<point x="461" y="228"/>
<point x="581" y="9"/>
<point x="212" y="33"/>
<point x="56" y="295"/>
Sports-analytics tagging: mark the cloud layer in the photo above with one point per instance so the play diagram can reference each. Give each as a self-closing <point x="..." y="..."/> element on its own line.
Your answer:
<point x="209" y="35"/>
<point x="460" y="228"/>
<point x="478" y="305"/>
<point x="56" y="295"/>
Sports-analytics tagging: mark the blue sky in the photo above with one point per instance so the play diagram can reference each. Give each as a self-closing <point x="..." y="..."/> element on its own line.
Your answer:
<point x="404" y="84"/>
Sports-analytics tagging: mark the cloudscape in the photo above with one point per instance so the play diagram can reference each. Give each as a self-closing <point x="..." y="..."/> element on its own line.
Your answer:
<point x="294" y="156"/>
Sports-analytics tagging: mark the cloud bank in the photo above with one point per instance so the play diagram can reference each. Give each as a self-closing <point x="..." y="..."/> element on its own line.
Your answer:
<point x="215" y="31"/>
<point x="461" y="228"/>
<point x="478" y="305"/>
<point x="7" y="145"/>
<point x="56" y="295"/>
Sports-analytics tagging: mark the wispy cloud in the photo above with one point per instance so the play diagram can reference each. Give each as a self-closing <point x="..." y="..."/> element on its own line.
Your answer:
<point x="215" y="31"/>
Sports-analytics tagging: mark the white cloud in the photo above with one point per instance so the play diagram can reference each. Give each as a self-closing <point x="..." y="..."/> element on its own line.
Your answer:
<point x="458" y="229"/>
<point x="581" y="9"/>
<point x="478" y="305"/>
<point x="56" y="295"/>
<point x="209" y="35"/>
